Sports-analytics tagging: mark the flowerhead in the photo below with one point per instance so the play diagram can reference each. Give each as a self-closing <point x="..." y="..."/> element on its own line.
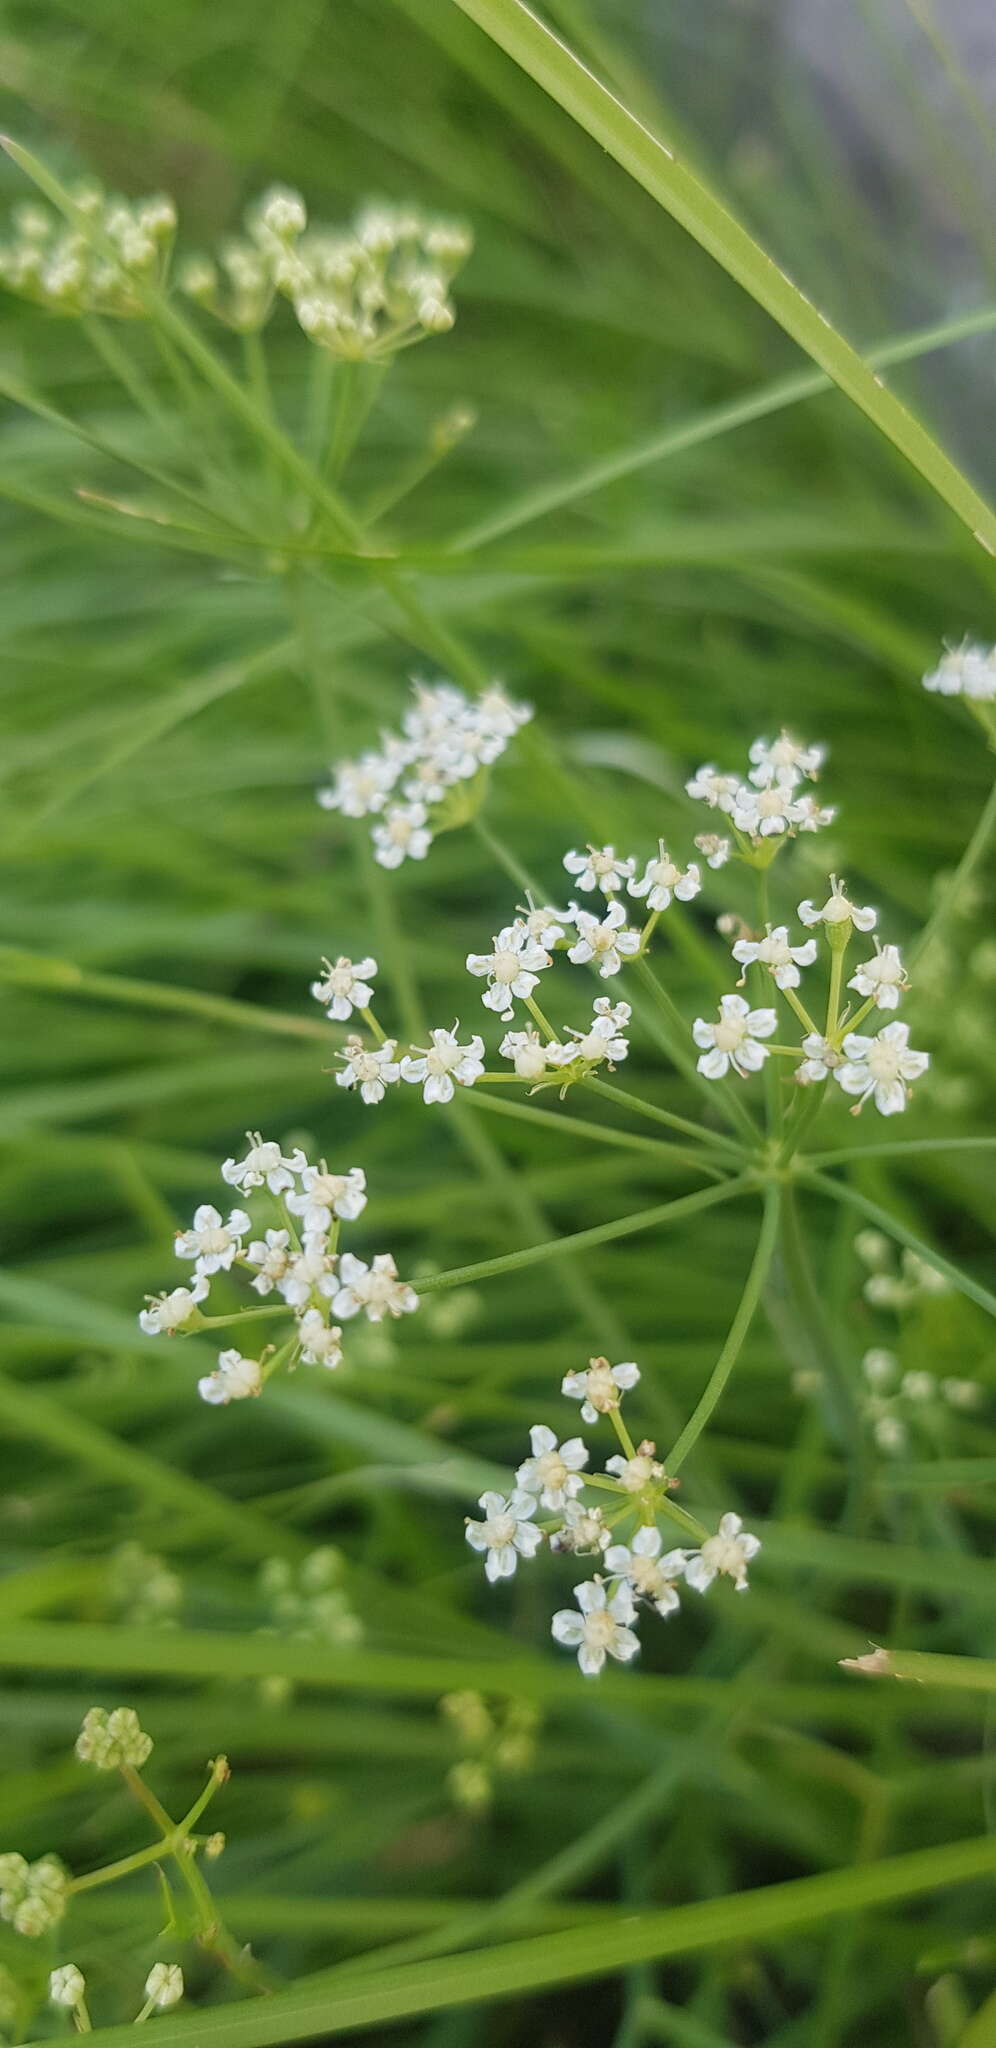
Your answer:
<point x="600" y="1389"/>
<point x="172" y="1311"/>
<point x="506" y="1533"/>
<point x="727" y="1553"/>
<point x="374" y="1290"/>
<point x="601" y="1628"/>
<point x="554" y="1470"/>
<point x="735" y="1040"/>
<point x="776" y="953"/>
<point x="838" y="911"/>
<point x="649" y="1575"/>
<point x="883" y="977"/>
<point x="263" y="1165"/>
<point x="370" y="1069"/>
<point x="965" y="671"/>
<point x="662" y="878"/>
<point x="605" y="941"/>
<point x="112" y="1741"/>
<point x="234" y="1379"/>
<point x="443" y="1065"/>
<point x="213" y="1245"/>
<point x="512" y="968"/>
<point x="320" y="1341"/>
<point x="881" y="1067"/>
<point x="600" y="867"/>
<point x="325" y="1196"/>
<point x="345" y="986"/>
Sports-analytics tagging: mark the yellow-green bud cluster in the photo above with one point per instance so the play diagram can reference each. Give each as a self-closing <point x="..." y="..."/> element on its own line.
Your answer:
<point x="33" y="1896"/>
<point x="110" y="1741"/>
<point x="95" y="263"/>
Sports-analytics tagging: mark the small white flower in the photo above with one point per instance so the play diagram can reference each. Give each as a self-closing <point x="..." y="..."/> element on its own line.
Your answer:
<point x="506" y="1533"/>
<point x="214" y="1245"/>
<point x="601" y="1629"/>
<point x="880" y="1367"/>
<point x="775" y="952"/>
<point x="729" y="1551"/>
<point x="708" y="786"/>
<point x="554" y="1470"/>
<point x="783" y="760"/>
<point x="236" y="1379"/>
<point x="402" y="835"/>
<point x="371" y="1069"/>
<point x="309" y="1271"/>
<point x="344" y="987"/>
<point x="527" y="1052"/>
<point x="264" y="1164"/>
<point x="637" y="1472"/>
<point x="164" y="1985"/>
<point x="765" y="813"/>
<point x="822" y="1059"/>
<point x="320" y="1341"/>
<point x="883" y="977"/>
<point x="374" y="1289"/>
<point x="606" y="941"/>
<point x="715" y="848"/>
<point x="918" y="1386"/>
<point x="272" y="1255"/>
<point x="325" y="1195"/>
<point x="810" y="816"/>
<point x="603" y="1040"/>
<point x="838" y="910"/>
<point x="582" y="1531"/>
<point x="881" y="1067"/>
<point x="360" y="787"/>
<point x="601" y="1388"/>
<point x="662" y="878"/>
<point x="600" y="868"/>
<point x="169" y="1312"/>
<point x="649" y="1575"/>
<point x="67" y="1986"/>
<point x="444" y="1064"/>
<point x="545" y="924"/>
<point x="735" y="1040"/>
<point x="965" y="671"/>
<point x="513" y="968"/>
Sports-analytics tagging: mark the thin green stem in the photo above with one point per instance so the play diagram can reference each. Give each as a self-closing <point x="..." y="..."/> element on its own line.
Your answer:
<point x="718" y="1093"/>
<point x="753" y="1289"/>
<point x="579" y="1127"/>
<point x="667" y="1117"/>
<point x="974" y="853"/>
<point x="841" y="1191"/>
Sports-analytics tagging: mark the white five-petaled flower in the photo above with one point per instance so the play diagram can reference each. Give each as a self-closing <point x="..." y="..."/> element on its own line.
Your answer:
<point x="309" y="1271"/>
<point x="443" y="1064"/>
<point x="506" y="1533"/>
<point x="649" y="1575"/>
<point x="169" y="1312"/>
<point x="602" y="1628"/>
<point x="735" y="1040"/>
<point x="601" y="1388"/>
<point x="729" y="1551"/>
<point x="402" y="834"/>
<point x="271" y="1256"/>
<point x="775" y="952"/>
<point x="528" y="1053"/>
<point x="212" y="1244"/>
<point x="236" y="1379"/>
<point x="603" y="1040"/>
<point x="783" y="760"/>
<point x="765" y="813"/>
<point x="965" y="671"/>
<point x="344" y="987"/>
<point x="554" y="1470"/>
<point x="360" y="787"/>
<point x="714" y="847"/>
<point x="811" y="816"/>
<point x="264" y="1164"/>
<point x="883" y="976"/>
<point x="606" y="941"/>
<point x="582" y="1530"/>
<point x="325" y="1195"/>
<point x="371" y="1069"/>
<point x="637" y="1472"/>
<point x="544" y="923"/>
<point x="513" y="968"/>
<point x="662" y="878"/>
<point x="709" y="786"/>
<point x="838" y="910"/>
<point x="822" y="1059"/>
<point x="320" y="1341"/>
<point x="882" y="1067"/>
<point x="600" y="867"/>
<point x="373" y="1289"/>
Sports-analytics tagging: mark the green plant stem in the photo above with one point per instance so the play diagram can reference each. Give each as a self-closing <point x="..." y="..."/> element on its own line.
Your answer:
<point x="640" y="1107"/>
<point x="970" y="860"/>
<point x="722" y="1097"/>
<point x="579" y="1127"/>
<point x="841" y="1191"/>
<point x="746" y="1309"/>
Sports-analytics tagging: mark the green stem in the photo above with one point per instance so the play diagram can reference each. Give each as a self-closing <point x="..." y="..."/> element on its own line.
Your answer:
<point x="656" y="1115"/>
<point x="973" y="854"/>
<point x="579" y="1127"/>
<point x="717" y="1092"/>
<point x="841" y="1191"/>
<point x="753" y="1288"/>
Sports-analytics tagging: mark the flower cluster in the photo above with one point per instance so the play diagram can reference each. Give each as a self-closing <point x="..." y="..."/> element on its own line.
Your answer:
<point x="33" y="1896"/>
<point x="96" y="263"/>
<point x="965" y="671"/>
<point x="899" y="1405"/>
<point x="895" y="1282"/>
<point x="769" y="805"/>
<point x="634" y="1575"/>
<point x="436" y="765"/>
<point x="297" y="1258"/>
<point x="113" y="1741"/>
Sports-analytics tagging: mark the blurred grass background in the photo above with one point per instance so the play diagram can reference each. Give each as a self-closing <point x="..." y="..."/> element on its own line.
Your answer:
<point x="162" y="741"/>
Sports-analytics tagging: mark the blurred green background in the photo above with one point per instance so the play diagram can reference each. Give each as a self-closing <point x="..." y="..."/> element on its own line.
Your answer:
<point x="166" y="721"/>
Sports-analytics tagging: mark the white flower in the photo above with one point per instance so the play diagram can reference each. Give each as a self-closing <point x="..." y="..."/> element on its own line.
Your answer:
<point x="344" y="987"/>
<point x="729" y="1551"/>
<point x="882" y="1067"/>
<point x="67" y="1986"/>
<point x="169" y="1312"/>
<point x="272" y="1255"/>
<point x="965" y="671"/>
<point x="783" y="760"/>
<point x="319" y="1340"/>
<point x="402" y="835"/>
<point x="506" y="1533"/>
<point x="600" y="868"/>
<point x="637" y="1472"/>
<point x="810" y="816"/>
<point x="374" y="1289"/>
<point x="214" y="1245"/>
<point x="360" y="786"/>
<point x="236" y="1379"/>
<point x="110" y="1741"/>
<point x="662" y="878"/>
<point x="603" y="1039"/>
<point x="734" y="1041"/>
<point x="544" y="923"/>
<point x="765" y="813"/>
<point x="601" y="1388"/>
<point x="513" y="968"/>
<point x="775" y="952"/>
<point x="879" y="1367"/>
<point x="500" y="714"/>
<point x="883" y="977"/>
<point x="527" y="1052"/>
<point x="164" y="1985"/>
<point x="582" y="1532"/>
<point x="838" y="910"/>
<point x="325" y="1195"/>
<point x="309" y="1271"/>
<point x="264" y="1163"/>
<point x="554" y="1470"/>
<point x="371" y="1069"/>
<point x="605" y="941"/>
<point x="822" y="1059"/>
<point x="708" y="786"/>
<point x="443" y="1064"/>
<point x="715" y="848"/>
<point x="918" y="1386"/>
<point x="649" y="1575"/>
<point x="601" y="1629"/>
<point x="890" y="1433"/>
